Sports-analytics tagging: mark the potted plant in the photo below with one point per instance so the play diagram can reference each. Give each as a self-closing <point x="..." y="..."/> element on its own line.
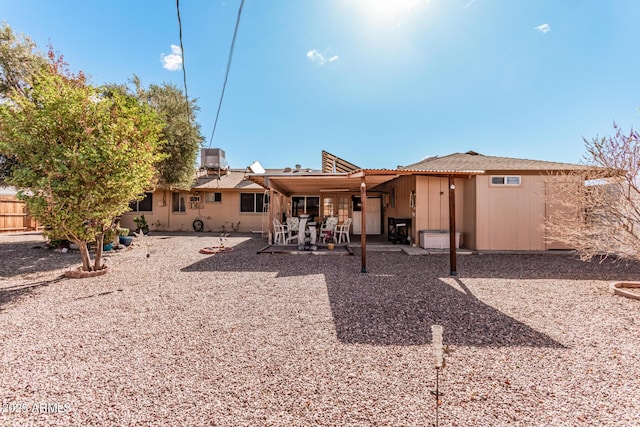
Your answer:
<point x="331" y="243"/>
<point x="107" y="242"/>
<point x="141" y="224"/>
<point x="123" y="236"/>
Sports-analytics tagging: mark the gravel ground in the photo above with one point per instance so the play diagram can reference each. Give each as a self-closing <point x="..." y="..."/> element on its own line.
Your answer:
<point x="240" y="339"/>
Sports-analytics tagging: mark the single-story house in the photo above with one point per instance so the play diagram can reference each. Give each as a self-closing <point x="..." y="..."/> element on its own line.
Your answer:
<point x="500" y="203"/>
<point x="220" y="199"/>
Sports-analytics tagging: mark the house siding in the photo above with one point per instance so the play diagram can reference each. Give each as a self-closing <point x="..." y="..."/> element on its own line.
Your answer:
<point x="469" y="222"/>
<point x="214" y="214"/>
<point x="510" y="218"/>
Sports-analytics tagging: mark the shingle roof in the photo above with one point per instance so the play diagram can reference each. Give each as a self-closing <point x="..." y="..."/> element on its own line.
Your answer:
<point x="233" y="179"/>
<point x="478" y="162"/>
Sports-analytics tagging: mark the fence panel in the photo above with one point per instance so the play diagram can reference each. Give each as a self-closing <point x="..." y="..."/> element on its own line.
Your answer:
<point x="14" y="216"/>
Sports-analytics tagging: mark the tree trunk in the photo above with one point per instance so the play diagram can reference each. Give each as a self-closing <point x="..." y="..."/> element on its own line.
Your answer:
<point x="98" y="258"/>
<point x="84" y="254"/>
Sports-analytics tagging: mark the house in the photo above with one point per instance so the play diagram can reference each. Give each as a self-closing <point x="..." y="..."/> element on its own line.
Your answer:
<point x="500" y="203"/>
<point x="220" y="199"/>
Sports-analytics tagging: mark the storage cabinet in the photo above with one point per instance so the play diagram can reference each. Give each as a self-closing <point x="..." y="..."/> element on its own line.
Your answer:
<point x="437" y="239"/>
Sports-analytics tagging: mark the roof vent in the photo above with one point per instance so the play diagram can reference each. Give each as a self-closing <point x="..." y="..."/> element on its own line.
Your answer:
<point x="473" y="153"/>
<point x="287" y="170"/>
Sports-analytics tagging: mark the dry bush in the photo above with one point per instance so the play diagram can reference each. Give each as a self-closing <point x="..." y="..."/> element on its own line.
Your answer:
<point x="596" y="210"/>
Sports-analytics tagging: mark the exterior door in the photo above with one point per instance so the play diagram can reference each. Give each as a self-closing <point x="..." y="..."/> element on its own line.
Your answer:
<point x="374" y="217"/>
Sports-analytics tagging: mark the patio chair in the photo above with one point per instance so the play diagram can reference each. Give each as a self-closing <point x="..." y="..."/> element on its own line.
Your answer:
<point x="279" y="235"/>
<point x="342" y="231"/>
<point x="328" y="228"/>
<point x="293" y="228"/>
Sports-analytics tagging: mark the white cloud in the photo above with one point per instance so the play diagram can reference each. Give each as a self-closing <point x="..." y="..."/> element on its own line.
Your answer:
<point x="469" y="3"/>
<point x="544" y="28"/>
<point x="315" y="56"/>
<point x="172" y="62"/>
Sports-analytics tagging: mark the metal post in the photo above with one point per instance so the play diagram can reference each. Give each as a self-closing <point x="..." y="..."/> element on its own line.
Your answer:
<point x="363" y="221"/>
<point x="270" y="218"/>
<point x="438" y="362"/>
<point x="452" y="226"/>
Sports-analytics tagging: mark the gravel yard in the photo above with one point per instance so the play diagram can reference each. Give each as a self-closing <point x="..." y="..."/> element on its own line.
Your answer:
<point x="240" y="339"/>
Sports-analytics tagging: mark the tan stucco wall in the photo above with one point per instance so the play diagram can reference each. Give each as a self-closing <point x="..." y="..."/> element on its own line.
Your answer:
<point x="213" y="214"/>
<point x="510" y="218"/>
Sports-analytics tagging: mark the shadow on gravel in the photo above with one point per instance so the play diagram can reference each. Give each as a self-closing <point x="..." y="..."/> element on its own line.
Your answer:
<point x="396" y="302"/>
<point x="33" y="257"/>
<point x="13" y="293"/>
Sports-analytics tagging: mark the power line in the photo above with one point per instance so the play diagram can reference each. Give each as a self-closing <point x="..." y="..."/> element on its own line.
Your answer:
<point x="226" y="76"/>
<point x="184" y="70"/>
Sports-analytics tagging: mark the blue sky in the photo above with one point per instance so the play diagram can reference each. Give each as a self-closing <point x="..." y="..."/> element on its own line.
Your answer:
<point x="380" y="83"/>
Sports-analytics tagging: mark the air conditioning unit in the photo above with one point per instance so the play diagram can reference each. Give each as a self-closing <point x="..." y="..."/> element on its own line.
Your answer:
<point x="213" y="158"/>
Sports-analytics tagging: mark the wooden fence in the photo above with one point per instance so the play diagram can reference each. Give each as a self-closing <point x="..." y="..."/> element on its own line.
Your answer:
<point x="14" y="216"/>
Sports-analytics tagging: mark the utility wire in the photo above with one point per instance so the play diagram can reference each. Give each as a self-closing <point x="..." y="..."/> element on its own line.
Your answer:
<point x="226" y="76"/>
<point x="184" y="70"/>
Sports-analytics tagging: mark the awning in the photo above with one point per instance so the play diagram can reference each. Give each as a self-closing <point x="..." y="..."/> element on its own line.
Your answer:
<point x="316" y="182"/>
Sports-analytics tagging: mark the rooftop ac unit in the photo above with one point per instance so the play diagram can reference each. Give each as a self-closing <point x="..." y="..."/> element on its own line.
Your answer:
<point x="213" y="158"/>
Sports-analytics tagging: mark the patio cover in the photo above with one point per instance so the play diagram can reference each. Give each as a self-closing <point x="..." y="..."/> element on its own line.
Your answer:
<point x="361" y="180"/>
<point x="317" y="182"/>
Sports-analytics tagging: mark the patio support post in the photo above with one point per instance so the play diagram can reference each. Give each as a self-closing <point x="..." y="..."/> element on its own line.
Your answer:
<point x="363" y="221"/>
<point x="270" y="216"/>
<point x="452" y="226"/>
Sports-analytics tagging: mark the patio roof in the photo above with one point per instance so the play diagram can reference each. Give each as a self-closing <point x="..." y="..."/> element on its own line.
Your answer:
<point x="315" y="182"/>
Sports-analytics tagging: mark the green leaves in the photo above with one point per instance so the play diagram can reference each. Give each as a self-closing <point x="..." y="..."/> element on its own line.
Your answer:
<point x="83" y="154"/>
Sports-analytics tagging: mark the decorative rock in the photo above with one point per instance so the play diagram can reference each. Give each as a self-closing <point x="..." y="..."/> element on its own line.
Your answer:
<point x="81" y="274"/>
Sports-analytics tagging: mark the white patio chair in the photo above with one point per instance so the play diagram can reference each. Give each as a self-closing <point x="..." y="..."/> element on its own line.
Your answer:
<point x="293" y="227"/>
<point x="328" y="228"/>
<point x="279" y="235"/>
<point x="342" y="231"/>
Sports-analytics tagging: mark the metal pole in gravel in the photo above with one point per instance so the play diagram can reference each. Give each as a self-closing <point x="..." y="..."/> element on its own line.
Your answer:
<point x="452" y="227"/>
<point x="438" y="359"/>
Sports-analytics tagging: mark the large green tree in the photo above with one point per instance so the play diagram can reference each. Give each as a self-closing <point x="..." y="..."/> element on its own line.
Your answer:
<point x="83" y="153"/>
<point x="20" y="62"/>
<point x="181" y="133"/>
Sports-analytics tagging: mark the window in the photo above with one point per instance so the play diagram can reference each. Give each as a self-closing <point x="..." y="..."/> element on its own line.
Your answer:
<point x="213" y="197"/>
<point x="513" y="180"/>
<point x="305" y="204"/>
<point x="343" y="208"/>
<point x="253" y="202"/>
<point x="505" y="180"/>
<point x="144" y="205"/>
<point x="177" y="203"/>
<point x="327" y="206"/>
